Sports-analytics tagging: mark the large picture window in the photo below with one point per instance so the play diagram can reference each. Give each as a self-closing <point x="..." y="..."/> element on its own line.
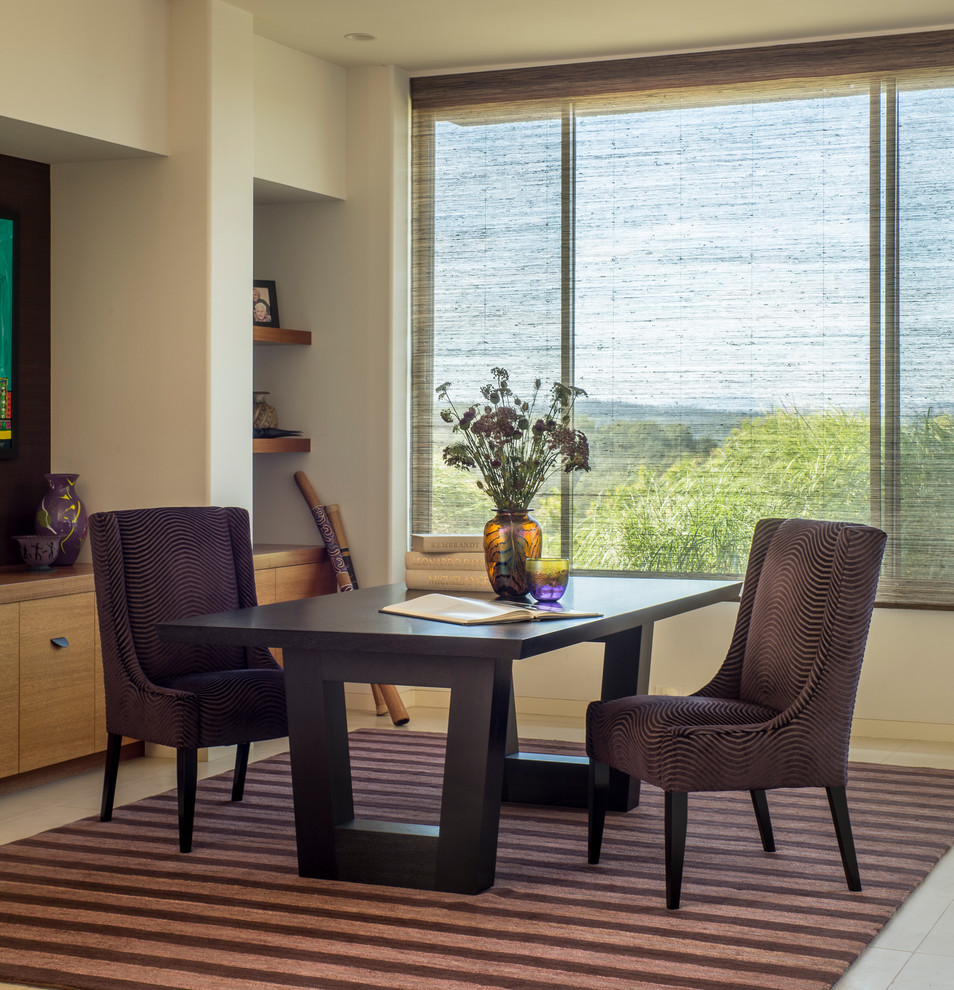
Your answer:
<point x="752" y="280"/>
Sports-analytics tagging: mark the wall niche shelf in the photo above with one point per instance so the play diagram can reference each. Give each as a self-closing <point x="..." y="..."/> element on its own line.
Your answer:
<point x="280" y="445"/>
<point x="280" y="335"/>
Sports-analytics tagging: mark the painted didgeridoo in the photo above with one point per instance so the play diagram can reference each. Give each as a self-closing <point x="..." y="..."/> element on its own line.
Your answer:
<point x="343" y="575"/>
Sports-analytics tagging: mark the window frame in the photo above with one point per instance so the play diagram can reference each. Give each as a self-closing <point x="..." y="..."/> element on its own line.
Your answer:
<point x="873" y="61"/>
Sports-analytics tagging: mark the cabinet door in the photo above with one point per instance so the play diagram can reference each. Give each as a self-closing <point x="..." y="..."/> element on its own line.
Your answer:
<point x="265" y="585"/>
<point x="304" y="581"/>
<point x="9" y="688"/>
<point x="56" y="682"/>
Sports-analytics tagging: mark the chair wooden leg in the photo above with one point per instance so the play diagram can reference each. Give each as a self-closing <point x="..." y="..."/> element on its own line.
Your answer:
<point x="838" y="802"/>
<point x="114" y="745"/>
<point x="677" y="816"/>
<point x="764" y="820"/>
<point x="598" y="798"/>
<point x="187" y="769"/>
<point x="241" y="766"/>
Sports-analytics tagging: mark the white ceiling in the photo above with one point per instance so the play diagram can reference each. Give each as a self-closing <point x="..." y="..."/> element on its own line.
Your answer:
<point x="424" y="36"/>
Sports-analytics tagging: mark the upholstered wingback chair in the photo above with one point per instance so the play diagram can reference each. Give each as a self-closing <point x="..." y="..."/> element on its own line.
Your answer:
<point x="153" y="565"/>
<point x="778" y="712"/>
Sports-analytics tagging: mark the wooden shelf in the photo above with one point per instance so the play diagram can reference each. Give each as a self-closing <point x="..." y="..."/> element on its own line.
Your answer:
<point x="267" y="555"/>
<point x="281" y="445"/>
<point x="280" y="335"/>
<point x="17" y="584"/>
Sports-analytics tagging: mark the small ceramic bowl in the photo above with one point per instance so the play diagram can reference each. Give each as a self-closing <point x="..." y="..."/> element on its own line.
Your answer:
<point x="547" y="577"/>
<point x="38" y="551"/>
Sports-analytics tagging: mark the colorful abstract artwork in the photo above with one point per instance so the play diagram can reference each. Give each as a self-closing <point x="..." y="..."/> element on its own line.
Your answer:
<point x="8" y="233"/>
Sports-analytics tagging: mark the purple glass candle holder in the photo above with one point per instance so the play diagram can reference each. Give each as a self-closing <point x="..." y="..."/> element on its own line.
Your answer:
<point x="547" y="577"/>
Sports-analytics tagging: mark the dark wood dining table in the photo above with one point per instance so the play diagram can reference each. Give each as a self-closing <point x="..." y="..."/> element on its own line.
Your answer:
<point x="334" y="639"/>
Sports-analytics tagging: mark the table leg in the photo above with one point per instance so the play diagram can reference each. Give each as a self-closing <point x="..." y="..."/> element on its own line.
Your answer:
<point x="320" y="762"/>
<point x="540" y="778"/>
<point x="513" y="739"/>
<point x="461" y="855"/>
<point x="626" y="660"/>
<point x="473" y="777"/>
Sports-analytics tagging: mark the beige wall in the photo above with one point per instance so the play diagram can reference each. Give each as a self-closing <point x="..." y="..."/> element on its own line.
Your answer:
<point x="339" y="269"/>
<point x="228" y="247"/>
<point x="130" y="363"/>
<point x="298" y="245"/>
<point x="152" y="257"/>
<point x="907" y="681"/>
<point x="299" y="120"/>
<point x="100" y="72"/>
<point x="907" y="678"/>
<point x="151" y="264"/>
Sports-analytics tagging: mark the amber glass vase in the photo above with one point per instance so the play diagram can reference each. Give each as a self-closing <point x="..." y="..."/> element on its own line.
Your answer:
<point x="509" y="539"/>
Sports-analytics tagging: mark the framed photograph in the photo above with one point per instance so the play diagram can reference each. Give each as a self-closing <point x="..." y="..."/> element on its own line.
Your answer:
<point x="9" y="223"/>
<point x="264" y="304"/>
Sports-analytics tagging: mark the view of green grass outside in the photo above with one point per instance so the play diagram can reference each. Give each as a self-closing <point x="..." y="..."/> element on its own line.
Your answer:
<point x="695" y="515"/>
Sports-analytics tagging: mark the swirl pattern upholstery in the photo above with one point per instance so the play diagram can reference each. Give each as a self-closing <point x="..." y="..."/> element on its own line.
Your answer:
<point x="154" y="565"/>
<point x="778" y="711"/>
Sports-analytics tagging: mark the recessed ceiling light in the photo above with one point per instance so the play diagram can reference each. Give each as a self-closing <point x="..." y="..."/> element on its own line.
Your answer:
<point x="358" y="36"/>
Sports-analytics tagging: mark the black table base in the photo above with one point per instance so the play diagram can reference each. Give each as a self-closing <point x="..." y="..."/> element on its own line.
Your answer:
<point x="482" y="767"/>
<point x="334" y="639"/>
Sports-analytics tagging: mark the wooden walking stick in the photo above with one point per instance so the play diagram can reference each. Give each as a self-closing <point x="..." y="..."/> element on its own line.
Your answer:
<point x="344" y="576"/>
<point x="392" y="703"/>
<point x="387" y="698"/>
<point x="380" y="705"/>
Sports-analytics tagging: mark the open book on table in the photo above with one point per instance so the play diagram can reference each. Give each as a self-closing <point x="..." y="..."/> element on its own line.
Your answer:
<point x="474" y="611"/>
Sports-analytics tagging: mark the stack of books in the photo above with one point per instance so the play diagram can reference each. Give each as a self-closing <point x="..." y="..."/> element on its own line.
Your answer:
<point x="441" y="561"/>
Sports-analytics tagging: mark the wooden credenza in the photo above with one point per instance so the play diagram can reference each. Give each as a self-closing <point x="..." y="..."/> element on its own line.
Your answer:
<point x="287" y="573"/>
<point x="51" y="681"/>
<point x="52" y="706"/>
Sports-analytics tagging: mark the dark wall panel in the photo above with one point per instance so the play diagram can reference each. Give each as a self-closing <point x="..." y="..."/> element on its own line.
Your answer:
<point x="25" y="187"/>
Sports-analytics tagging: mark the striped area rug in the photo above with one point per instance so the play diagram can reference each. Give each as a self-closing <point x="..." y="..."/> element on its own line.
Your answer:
<point x="114" y="906"/>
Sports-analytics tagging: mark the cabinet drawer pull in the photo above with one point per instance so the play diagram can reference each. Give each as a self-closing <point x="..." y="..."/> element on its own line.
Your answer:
<point x="60" y="641"/>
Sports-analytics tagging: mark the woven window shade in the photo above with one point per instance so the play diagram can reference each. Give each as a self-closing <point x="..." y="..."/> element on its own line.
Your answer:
<point x="743" y="257"/>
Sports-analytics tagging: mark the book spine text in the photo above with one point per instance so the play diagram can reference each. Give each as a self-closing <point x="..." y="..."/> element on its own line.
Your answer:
<point x="418" y="579"/>
<point x="416" y="559"/>
<point x="434" y="542"/>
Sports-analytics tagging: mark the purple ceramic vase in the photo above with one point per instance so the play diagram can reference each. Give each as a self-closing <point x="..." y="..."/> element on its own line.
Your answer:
<point x="63" y="514"/>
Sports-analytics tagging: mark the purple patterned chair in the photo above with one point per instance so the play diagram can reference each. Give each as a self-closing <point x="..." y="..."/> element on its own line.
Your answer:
<point x="778" y="712"/>
<point x="151" y="565"/>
